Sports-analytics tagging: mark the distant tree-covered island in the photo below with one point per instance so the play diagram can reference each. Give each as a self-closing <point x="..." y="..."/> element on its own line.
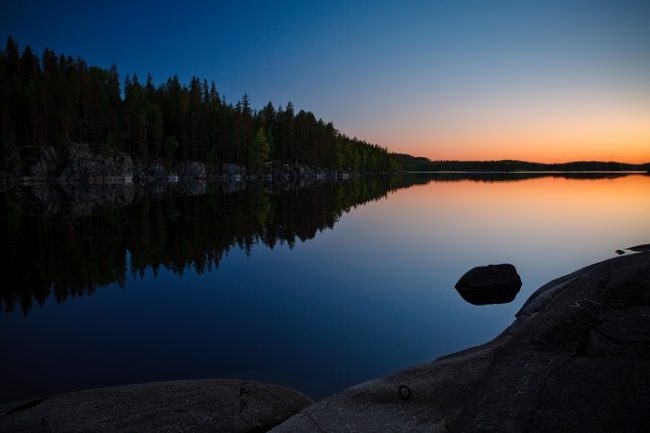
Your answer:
<point x="421" y="164"/>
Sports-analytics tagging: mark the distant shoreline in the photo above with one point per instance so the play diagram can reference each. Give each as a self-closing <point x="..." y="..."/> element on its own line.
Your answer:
<point x="420" y="164"/>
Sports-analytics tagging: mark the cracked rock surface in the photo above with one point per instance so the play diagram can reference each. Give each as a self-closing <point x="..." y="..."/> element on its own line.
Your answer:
<point x="178" y="406"/>
<point x="576" y="359"/>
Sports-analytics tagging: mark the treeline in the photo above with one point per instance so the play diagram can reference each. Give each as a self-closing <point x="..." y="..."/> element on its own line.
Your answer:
<point x="412" y="163"/>
<point x="55" y="100"/>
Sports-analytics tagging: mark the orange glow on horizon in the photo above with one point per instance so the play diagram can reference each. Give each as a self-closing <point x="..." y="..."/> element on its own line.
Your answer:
<point x="596" y="144"/>
<point x="535" y="150"/>
<point x="592" y="127"/>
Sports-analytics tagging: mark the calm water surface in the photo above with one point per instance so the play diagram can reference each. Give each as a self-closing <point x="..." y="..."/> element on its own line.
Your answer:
<point x="316" y="289"/>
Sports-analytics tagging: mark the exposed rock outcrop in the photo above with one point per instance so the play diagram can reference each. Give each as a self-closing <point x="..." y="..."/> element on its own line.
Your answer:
<point x="279" y="171"/>
<point x="492" y="284"/>
<point x="39" y="162"/>
<point x="577" y="358"/>
<point x="188" y="406"/>
<point x="80" y="164"/>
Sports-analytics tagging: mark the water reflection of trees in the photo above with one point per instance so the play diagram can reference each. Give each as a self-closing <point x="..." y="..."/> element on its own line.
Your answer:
<point x="65" y="242"/>
<point x="67" y="255"/>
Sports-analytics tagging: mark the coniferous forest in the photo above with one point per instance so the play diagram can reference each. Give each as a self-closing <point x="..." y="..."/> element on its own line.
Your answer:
<point x="55" y="100"/>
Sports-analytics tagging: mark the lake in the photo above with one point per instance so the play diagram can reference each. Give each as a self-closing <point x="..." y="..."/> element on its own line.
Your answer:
<point x="315" y="288"/>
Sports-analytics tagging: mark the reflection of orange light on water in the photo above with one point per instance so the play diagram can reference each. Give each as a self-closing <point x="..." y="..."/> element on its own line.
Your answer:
<point x="544" y="202"/>
<point x="550" y="219"/>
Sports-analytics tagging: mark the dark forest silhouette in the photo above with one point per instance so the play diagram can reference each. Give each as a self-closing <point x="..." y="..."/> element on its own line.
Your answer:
<point x="55" y="100"/>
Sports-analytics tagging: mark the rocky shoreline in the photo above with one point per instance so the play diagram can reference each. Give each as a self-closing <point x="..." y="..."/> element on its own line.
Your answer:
<point x="577" y="358"/>
<point x="80" y="164"/>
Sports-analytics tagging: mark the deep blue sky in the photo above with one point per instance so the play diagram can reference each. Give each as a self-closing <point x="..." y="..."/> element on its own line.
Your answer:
<point x="550" y="80"/>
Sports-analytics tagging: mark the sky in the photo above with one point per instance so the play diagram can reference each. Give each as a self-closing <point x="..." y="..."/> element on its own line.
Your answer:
<point x="548" y="81"/>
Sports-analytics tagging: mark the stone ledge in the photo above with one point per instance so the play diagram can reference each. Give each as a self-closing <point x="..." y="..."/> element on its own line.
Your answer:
<point x="188" y="406"/>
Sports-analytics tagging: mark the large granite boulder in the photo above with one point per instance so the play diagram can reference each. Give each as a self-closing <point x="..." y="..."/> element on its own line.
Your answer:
<point x="39" y="162"/>
<point x="80" y="164"/>
<point x="576" y="359"/>
<point x="492" y="284"/>
<point x="180" y="406"/>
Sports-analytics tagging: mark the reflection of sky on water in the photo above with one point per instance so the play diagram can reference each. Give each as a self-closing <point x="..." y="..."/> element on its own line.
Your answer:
<point x="373" y="295"/>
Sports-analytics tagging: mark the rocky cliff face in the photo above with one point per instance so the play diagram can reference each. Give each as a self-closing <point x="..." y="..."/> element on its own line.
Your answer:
<point x="577" y="358"/>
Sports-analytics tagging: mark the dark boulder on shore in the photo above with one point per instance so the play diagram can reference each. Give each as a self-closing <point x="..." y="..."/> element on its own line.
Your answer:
<point x="576" y="359"/>
<point x="179" y="406"/>
<point x="492" y="284"/>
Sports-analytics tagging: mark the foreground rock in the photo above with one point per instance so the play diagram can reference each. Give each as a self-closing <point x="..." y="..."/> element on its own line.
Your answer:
<point x="492" y="284"/>
<point x="188" y="406"/>
<point x="577" y="358"/>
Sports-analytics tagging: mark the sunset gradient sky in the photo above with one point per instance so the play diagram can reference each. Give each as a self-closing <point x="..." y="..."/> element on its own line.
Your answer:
<point x="552" y="80"/>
